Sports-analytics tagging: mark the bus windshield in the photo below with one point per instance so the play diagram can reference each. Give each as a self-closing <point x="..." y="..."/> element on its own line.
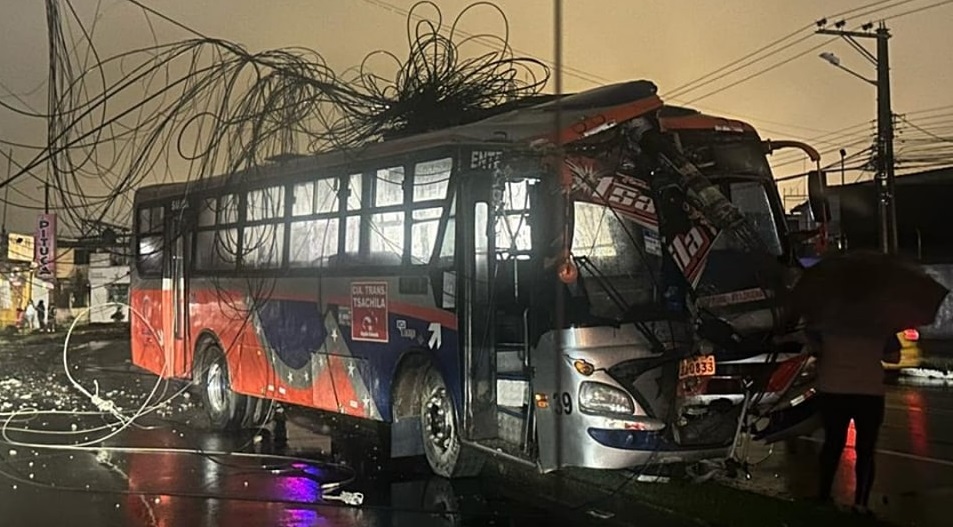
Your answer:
<point x="617" y="259"/>
<point x="739" y="167"/>
<point x="751" y="198"/>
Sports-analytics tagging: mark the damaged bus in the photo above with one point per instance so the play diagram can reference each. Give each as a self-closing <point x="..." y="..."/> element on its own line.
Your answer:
<point x="602" y="294"/>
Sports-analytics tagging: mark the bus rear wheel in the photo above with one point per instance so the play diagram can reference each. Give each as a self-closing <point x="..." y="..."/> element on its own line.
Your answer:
<point x="443" y="445"/>
<point x="226" y="409"/>
<point x="223" y="406"/>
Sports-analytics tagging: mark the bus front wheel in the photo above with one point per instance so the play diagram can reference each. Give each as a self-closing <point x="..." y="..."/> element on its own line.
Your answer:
<point x="443" y="445"/>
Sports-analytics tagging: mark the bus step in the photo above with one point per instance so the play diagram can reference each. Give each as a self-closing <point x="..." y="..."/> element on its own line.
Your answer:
<point x="509" y="361"/>
<point x="510" y="421"/>
<point x="512" y="392"/>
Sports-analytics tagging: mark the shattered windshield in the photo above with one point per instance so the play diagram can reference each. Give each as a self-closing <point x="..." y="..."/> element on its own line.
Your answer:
<point x="617" y="260"/>
<point x="751" y="199"/>
<point x="740" y="169"/>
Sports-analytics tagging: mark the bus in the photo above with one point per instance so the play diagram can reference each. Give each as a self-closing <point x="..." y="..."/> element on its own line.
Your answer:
<point x="557" y="296"/>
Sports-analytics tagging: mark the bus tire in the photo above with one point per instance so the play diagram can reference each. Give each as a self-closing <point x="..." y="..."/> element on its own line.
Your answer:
<point x="224" y="407"/>
<point x="443" y="446"/>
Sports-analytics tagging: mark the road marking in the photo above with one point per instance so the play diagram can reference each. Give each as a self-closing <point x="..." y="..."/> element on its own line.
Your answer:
<point x="945" y="462"/>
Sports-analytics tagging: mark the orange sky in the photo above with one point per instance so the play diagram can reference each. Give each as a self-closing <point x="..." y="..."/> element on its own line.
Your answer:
<point x="670" y="42"/>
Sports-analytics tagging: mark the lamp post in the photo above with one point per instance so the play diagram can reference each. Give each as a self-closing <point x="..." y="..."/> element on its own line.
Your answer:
<point x="886" y="206"/>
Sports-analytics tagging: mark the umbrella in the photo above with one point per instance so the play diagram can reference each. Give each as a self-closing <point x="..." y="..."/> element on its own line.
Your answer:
<point x="867" y="292"/>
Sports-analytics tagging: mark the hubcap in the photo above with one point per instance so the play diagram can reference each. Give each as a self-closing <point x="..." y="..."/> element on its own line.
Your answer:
<point x="439" y="420"/>
<point x="217" y="388"/>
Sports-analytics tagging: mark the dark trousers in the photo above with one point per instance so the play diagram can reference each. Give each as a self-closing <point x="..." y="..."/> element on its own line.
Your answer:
<point x="837" y="410"/>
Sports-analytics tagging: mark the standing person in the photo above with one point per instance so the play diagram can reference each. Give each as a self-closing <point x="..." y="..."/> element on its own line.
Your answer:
<point x="51" y="318"/>
<point x="853" y="305"/>
<point x="41" y="315"/>
<point x="30" y="315"/>
<point x="850" y="383"/>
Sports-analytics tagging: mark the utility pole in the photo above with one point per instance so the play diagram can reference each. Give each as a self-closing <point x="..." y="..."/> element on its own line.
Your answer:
<point x="885" y="175"/>
<point x="886" y="198"/>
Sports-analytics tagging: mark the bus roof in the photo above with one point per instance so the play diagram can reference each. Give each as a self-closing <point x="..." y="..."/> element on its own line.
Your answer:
<point x="584" y="114"/>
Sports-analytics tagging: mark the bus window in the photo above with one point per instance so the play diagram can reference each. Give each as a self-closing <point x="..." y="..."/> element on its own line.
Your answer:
<point x="262" y="245"/>
<point x="426" y="223"/>
<point x="448" y="248"/>
<point x="386" y="233"/>
<point x="313" y="242"/>
<point x="227" y="210"/>
<point x="216" y="249"/>
<point x="431" y="180"/>
<point x="389" y="187"/>
<point x="315" y="197"/>
<point x="354" y="192"/>
<point x="216" y="236"/>
<point x="206" y="215"/>
<point x="352" y="238"/>
<point x="265" y="204"/>
<point x="151" y="240"/>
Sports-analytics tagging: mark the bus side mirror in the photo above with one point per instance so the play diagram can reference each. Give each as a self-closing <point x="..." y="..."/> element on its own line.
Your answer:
<point x="817" y="196"/>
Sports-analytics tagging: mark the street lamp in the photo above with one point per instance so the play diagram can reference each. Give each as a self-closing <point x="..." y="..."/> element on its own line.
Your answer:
<point x="834" y="60"/>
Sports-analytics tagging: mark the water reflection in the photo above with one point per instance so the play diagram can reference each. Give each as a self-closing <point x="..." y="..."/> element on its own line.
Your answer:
<point x="180" y="488"/>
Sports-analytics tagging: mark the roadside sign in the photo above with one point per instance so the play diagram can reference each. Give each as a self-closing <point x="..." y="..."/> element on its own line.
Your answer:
<point x="45" y="246"/>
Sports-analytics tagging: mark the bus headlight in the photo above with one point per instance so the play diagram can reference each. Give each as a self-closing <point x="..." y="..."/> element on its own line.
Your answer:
<point x="596" y="397"/>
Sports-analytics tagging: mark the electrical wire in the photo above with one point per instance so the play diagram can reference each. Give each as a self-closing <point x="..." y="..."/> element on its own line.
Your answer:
<point x="122" y="422"/>
<point x="771" y="50"/>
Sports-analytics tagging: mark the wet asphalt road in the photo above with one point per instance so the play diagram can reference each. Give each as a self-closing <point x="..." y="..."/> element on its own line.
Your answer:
<point x="168" y="469"/>
<point x="914" y="472"/>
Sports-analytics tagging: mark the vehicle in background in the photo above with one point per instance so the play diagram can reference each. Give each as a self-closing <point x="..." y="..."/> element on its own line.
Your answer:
<point x="567" y="297"/>
<point x="910" y="354"/>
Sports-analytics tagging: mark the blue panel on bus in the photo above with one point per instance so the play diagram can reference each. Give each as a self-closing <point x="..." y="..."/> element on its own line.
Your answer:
<point x="382" y="358"/>
<point x="294" y="329"/>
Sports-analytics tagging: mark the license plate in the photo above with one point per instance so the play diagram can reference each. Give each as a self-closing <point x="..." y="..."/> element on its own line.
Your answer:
<point x="702" y="366"/>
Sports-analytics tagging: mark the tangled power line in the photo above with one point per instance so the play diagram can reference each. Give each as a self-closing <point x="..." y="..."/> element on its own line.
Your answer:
<point x="206" y="106"/>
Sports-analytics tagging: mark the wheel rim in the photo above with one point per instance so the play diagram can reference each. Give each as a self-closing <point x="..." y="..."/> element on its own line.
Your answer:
<point x="440" y="428"/>
<point x="216" y="386"/>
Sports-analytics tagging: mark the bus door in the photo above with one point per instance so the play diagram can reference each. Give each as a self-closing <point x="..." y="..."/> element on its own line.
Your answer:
<point x="474" y="285"/>
<point x="174" y="292"/>
<point x="496" y="244"/>
<point x="514" y="277"/>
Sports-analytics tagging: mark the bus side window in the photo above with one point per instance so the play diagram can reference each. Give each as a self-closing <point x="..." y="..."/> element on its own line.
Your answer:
<point x="315" y="220"/>
<point x="216" y="236"/>
<point x="150" y="250"/>
<point x="263" y="233"/>
<point x="430" y="184"/>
